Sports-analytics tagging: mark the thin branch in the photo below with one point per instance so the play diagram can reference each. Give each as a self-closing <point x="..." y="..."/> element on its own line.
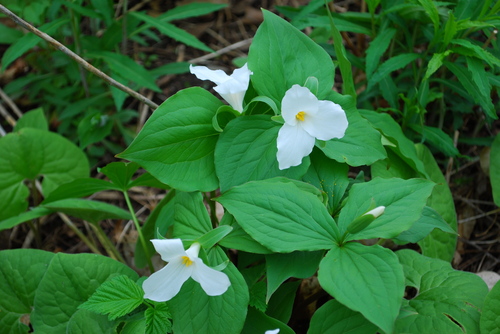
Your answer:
<point x="77" y="58"/>
<point x="217" y="53"/>
<point x="11" y="103"/>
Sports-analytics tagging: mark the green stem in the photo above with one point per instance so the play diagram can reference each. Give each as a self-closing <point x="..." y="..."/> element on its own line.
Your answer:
<point x="213" y="209"/>
<point x="106" y="243"/>
<point x="80" y="234"/>
<point x="36" y="226"/>
<point x="139" y="231"/>
<point x="78" y="49"/>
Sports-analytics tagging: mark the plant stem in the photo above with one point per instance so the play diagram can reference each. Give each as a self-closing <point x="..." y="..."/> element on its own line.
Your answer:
<point x="36" y="226"/>
<point x="107" y="244"/>
<point x="79" y="233"/>
<point x="139" y="231"/>
<point x="77" y="58"/>
<point x="78" y="48"/>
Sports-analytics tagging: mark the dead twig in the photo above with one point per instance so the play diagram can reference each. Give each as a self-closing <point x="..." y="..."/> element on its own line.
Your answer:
<point x="77" y="58"/>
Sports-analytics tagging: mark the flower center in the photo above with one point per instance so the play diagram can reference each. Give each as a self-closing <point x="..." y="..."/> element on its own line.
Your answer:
<point x="186" y="261"/>
<point x="300" y="115"/>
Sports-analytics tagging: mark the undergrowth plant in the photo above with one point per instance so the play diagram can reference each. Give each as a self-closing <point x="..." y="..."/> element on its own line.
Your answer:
<point x="291" y="182"/>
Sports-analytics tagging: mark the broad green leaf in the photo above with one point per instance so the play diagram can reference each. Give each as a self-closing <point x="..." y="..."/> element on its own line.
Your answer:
<point x="391" y="65"/>
<point x="195" y="312"/>
<point x="21" y="271"/>
<point x="172" y="31"/>
<point x="438" y="244"/>
<point x="281" y="267"/>
<point x="490" y="317"/>
<point x="495" y="169"/>
<point x="32" y="119"/>
<point x="115" y="298"/>
<point x="126" y="68"/>
<point x="24" y="217"/>
<point x="329" y="176"/>
<point x="404" y="201"/>
<point x="191" y="219"/>
<point x="29" y="154"/>
<point x="79" y="188"/>
<point x="209" y="239"/>
<point x="158" y="319"/>
<point x="176" y="144"/>
<point x="69" y="281"/>
<point x="333" y="318"/>
<point x="393" y="166"/>
<point x="28" y="41"/>
<point x="83" y="321"/>
<point x="403" y="147"/>
<point x="447" y="300"/>
<point x="239" y="239"/>
<point x="376" y="50"/>
<point x="267" y="210"/>
<point x="258" y="322"/>
<point x="120" y="173"/>
<point x="361" y="144"/>
<point x="424" y="225"/>
<point x="366" y="279"/>
<point x="92" y="211"/>
<point x="278" y="63"/>
<point x="281" y="304"/>
<point x="246" y="151"/>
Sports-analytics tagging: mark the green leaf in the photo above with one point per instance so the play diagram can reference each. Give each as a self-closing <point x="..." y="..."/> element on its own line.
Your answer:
<point x="490" y="317"/>
<point x="366" y="279"/>
<point x="176" y="144"/>
<point x="278" y="63"/>
<point x="329" y="176"/>
<point x="195" y="312"/>
<point x="158" y="319"/>
<point x="480" y="79"/>
<point x="126" y="68"/>
<point x="69" y="281"/>
<point x="447" y="300"/>
<point x="281" y="267"/>
<point x="28" y="41"/>
<point x="83" y="321"/>
<point x="333" y="317"/>
<point x="190" y="10"/>
<point x="435" y="63"/>
<point x="267" y="209"/>
<point x="432" y="11"/>
<point x="172" y="31"/>
<point x="246" y="151"/>
<point x="376" y="50"/>
<point x="120" y="173"/>
<point x="495" y="169"/>
<point x="92" y="211"/>
<point x="361" y="144"/>
<point x="21" y="271"/>
<point x="79" y="188"/>
<point x="191" y="216"/>
<point x="209" y="239"/>
<point x="437" y="138"/>
<point x="281" y="304"/>
<point x="24" y="217"/>
<point x="116" y="297"/>
<point x="258" y="322"/>
<point x="239" y="239"/>
<point x="93" y="128"/>
<point x="392" y="64"/>
<point x="9" y="35"/>
<point x="477" y="51"/>
<point x="424" y="225"/>
<point x="438" y="244"/>
<point x="32" y="119"/>
<point x="29" y="154"/>
<point x="404" y="201"/>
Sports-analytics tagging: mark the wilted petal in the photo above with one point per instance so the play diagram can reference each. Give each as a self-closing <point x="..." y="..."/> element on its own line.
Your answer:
<point x="169" y="249"/>
<point x="163" y="285"/>
<point x="328" y="122"/>
<point x="204" y="73"/>
<point x="213" y="282"/>
<point x="293" y="144"/>
<point x="298" y="99"/>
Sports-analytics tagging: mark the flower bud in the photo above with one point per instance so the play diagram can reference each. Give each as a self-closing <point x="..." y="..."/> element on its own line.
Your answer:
<point x="364" y="220"/>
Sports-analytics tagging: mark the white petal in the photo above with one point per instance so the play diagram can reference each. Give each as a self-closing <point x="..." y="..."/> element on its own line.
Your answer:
<point x="193" y="251"/>
<point x="163" y="285"/>
<point x="293" y="144"/>
<point x="298" y="99"/>
<point x="169" y="248"/>
<point x="204" y="73"/>
<point x="213" y="282"/>
<point x="235" y="100"/>
<point x="330" y="121"/>
<point x="273" y="331"/>
<point x="379" y="210"/>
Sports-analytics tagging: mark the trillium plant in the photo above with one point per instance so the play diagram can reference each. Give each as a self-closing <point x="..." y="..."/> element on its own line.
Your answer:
<point x="287" y="186"/>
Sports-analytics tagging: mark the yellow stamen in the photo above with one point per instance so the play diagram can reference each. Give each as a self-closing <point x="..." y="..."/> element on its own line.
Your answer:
<point x="300" y="115"/>
<point x="186" y="261"/>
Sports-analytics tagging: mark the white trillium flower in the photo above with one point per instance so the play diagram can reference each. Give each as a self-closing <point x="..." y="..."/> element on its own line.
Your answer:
<point x="163" y="285"/>
<point x="273" y="331"/>
<point x="306" y="119"/>
<point x="232" y="87"/>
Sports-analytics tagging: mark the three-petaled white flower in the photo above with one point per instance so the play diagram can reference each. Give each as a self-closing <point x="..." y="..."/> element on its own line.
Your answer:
<point x="232" y="87"/>
<point x="166" y="283"/>
<point x="306" y="118"/>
